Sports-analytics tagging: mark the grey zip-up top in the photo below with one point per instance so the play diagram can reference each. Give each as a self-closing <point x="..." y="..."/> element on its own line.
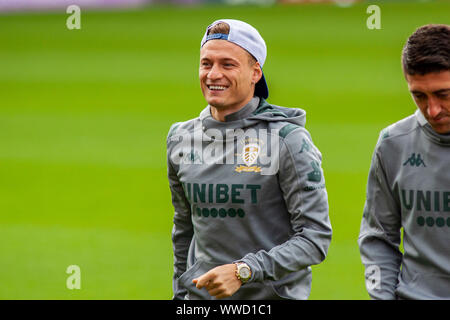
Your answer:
<point x="254" y="206"/>
<point x="409" y="188"/>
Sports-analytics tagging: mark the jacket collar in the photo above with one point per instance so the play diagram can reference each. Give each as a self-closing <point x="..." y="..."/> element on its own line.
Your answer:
<point x="242" y="113"/>
<point x="443" y="139"/>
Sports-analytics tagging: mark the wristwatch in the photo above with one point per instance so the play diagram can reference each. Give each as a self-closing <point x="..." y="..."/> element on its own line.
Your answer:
<point x="243" y="272"/>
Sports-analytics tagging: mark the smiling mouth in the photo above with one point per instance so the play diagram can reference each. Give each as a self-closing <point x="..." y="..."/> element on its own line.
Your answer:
<point x="216" y="88"/>
<point x="440" y="118"/>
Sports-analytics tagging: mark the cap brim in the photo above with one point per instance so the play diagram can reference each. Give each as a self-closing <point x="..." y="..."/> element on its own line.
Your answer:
<point x="261" y="89"/>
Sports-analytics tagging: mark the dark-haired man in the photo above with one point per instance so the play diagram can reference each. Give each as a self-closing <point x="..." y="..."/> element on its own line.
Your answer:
<point x="409" y="183"/>
<point x="251" y="209"/>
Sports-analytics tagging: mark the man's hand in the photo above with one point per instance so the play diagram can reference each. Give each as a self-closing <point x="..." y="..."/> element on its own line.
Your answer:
<point x="221" y="282"/>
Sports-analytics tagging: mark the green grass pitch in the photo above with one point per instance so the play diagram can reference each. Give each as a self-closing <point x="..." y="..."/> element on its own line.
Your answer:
<point x="84" y="115"/>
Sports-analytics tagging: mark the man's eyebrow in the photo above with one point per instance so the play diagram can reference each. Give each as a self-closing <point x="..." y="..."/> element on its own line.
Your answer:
<point x="220" y="59"/>
<point x="440" y="91"/>
<point x="228" y="59"/>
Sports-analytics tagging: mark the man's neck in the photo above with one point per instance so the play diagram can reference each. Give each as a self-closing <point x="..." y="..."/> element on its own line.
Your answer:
<point x="219" y="114"/>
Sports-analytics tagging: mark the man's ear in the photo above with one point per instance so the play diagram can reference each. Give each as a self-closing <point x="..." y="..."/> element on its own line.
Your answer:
<point x="257" y="72"/>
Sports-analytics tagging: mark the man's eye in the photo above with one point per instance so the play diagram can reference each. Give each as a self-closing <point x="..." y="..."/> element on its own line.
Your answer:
<point x="419" y="96"/>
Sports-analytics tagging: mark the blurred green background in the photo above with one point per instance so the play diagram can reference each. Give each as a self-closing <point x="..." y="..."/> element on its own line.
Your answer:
<point x="84" y="115"/>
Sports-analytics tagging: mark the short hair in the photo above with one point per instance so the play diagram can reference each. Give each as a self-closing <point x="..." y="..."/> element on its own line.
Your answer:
<point x="224" y="28"/>
<point x="427" y="50"/>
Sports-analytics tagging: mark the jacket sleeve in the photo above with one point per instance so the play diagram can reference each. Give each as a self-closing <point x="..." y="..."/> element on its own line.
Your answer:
<point x="379" y="237"/>
<point x="182" y="231"/>
<point x="302" y="183"/>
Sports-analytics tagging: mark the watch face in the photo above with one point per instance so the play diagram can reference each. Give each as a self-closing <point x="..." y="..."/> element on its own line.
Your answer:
<point x="244" y="273"/>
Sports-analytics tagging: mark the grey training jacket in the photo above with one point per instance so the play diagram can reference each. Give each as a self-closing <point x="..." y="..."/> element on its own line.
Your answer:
<point x="409" y="188"/>
<point x="266" y="210"/>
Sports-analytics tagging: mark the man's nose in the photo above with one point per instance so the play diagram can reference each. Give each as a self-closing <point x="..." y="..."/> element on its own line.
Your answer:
<point x="434" y="107"/>
<point x="214" y="73"/>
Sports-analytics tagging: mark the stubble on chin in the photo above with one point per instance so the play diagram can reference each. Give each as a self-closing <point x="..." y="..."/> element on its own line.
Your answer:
<point x="218" y="106"/>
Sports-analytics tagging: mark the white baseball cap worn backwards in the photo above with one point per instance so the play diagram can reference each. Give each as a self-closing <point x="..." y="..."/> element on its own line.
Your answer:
<point x="247" y="37"/>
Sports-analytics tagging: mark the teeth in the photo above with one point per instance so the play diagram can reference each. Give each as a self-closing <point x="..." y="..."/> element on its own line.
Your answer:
<point x="217" y="88"/>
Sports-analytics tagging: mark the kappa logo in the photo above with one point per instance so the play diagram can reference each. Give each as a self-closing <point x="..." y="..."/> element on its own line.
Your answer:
<point x="316" y="174"/>
<point x="414" y="160"/>
<point x="250" y="154"/>
<point x="384" y="133"/>
<point x="305" y="146"/>
<point x="192" y="157"/>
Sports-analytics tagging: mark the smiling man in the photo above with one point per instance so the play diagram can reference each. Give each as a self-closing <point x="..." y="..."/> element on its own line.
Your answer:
<point x="251" y="208"/>
<point x="228" y="75"/>
<point x="409" y="183"/>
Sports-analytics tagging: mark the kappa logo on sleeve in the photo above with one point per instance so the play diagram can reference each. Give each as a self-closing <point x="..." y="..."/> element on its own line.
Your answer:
<point x="384" y="133"/>
<point x="305" y="146"/>
<point x="316" y="174"/>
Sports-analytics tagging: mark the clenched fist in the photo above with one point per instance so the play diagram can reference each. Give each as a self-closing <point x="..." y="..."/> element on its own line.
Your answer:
<point x="221" y="282"/>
